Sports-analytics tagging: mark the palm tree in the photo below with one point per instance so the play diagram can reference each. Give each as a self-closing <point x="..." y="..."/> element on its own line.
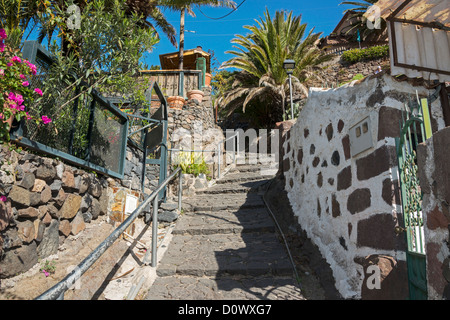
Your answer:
<point x="260" y="56"/>
<point x="15" y="18"/>
<point x="358" y="11"/>
<point x="184" y="6"/>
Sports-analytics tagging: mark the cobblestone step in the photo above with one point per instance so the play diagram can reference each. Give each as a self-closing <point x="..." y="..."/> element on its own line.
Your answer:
<point x="218" y="255"/>
<point x="225" y="245"/>
<point x="239" y="177"/>
<point x="193" y="288"/>
<point x="248" y="186"/>
<point x="215" y="202"/>
<point x="224" y="221"/>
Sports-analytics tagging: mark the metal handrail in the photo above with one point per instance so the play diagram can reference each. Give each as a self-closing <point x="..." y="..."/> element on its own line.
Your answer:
<point x="58" y="290"/>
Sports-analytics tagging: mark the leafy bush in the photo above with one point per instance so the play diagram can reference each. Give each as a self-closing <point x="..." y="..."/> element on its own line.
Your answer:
<point x="191" y="163"/>
<point x="371" y="53"/>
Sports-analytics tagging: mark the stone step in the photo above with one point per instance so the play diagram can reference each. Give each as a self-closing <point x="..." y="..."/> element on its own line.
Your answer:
<point x="224" y="288"/>
<point x="216" y="255"/>
<point x="215" y="202"/>
<point x="250" y="168"/>
<point x="240" y="177"/>
<point x="242" y="187"/>
<point x="225" y="221"/>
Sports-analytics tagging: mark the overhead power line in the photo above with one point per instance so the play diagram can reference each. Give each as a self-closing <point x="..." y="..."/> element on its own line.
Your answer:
<point x="224" y="15"/>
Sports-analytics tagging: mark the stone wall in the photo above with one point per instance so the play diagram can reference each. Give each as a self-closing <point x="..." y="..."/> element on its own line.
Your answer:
<point x="337" y="71"/>
<point x="47" y="200"/>
<point x="194" y="128"/>
<point x="434" y="177"/>
<point x="349" y="205"/>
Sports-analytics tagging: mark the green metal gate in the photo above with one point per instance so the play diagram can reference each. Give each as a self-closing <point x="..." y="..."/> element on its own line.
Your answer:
<point x="415" y="128"/>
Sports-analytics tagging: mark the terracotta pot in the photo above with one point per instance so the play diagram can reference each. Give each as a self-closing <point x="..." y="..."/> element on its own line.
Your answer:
<point x="195" y="94"/>
<point x="208" y="78"/>
<point x="155" y="103"/>
<point x="10" y="120"/>
<point x="176" y="102"/>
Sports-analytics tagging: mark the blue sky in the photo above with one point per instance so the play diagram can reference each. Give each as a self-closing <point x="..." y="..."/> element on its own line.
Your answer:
<point x="216" y="35"/>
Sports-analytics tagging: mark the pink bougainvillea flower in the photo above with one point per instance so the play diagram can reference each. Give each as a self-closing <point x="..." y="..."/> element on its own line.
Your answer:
<point x="19" y="98"/>
<point x="38" y="91"/>
<point x="32" y="67"/>
<point x="46" y="119"/>
<point x="9" y="64"/>
<point x="16" y="59"/>
<point x="22" y="76"/>
<point x="12" y="96"/>
<point x="2" y="46"/>
<point x="2" y="72"/>
<point x="25" y="83"/>
<point x="3" y="198"/>
<point x="28" y="116"/>
<point x="3" y="34"/>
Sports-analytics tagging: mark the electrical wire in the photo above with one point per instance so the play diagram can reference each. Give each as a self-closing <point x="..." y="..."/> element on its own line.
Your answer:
<point x="212" y="18"/>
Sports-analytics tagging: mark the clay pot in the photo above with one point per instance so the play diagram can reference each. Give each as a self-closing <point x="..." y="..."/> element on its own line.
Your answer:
<point x="208" y="78"/>
<point x="9" y="121"/>
<point x="195" y="94"/>
<point x="155" y="103"/>
<point x="11" y="118"/>
<point x="176" y="102"/>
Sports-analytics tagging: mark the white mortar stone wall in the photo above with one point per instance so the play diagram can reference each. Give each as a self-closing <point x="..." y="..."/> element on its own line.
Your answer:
<point x="337" y="237"/>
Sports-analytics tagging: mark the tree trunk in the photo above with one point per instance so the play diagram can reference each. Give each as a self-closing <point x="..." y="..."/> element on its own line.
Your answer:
<point x="180" y="66"/>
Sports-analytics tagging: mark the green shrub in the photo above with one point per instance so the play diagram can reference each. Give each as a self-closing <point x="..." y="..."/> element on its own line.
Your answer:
<point x="191" y="163"/>
<point x="371" y="53"/>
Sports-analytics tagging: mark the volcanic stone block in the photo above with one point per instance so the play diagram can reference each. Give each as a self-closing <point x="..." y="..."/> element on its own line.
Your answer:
<point x="18" y="260"/>
<point x="346" y="146"/>
<point x="335" y="158"/>
<point x="70" y="207"/>
<point x="335" y="207"/>
<point x="20" y="196"/>
<point x="388" y="122"/>
<point x="300" y="156"/>
<point x="344" y="178"/>
<point x="374" y="164"/>
<point x="26" y="231"/>
<point x="393" y="278"/>
<point x="359" y="200"/>
<point x="316" y="161"/>
<point x="50" y="241"/>
<point x="329" y="132"/>
<point x="391" y="192"/>
<point x="340" y="125"/>
<point x="377" y="232"/>
<point x="46" y="172"/>
<point x="27" y="181"/>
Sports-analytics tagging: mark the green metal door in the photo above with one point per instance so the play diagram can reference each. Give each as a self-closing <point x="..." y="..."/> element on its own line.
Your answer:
<point x="415" y="128"/>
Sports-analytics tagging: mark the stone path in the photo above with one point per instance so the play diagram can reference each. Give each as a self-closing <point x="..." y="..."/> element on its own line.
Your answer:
<point x="225" y="246"/>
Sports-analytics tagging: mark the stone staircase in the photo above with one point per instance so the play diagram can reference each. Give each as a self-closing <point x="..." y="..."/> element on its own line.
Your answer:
<point x="225" y="246"/>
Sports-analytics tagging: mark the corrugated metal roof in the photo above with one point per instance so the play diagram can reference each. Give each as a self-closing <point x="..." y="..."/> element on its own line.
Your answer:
<point x="424" y="11"/>
<point x="419" y="43"/>
<point x="420" y="47"/>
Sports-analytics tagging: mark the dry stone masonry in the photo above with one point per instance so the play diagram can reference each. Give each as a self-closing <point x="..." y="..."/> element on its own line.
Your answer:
<point x="48" y="200"/>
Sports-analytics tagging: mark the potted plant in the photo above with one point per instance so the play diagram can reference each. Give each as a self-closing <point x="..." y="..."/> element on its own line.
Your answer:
<point x="15" y="90"/>
<point x="208" y="78"/>
<point x="176" y="102"/>
<point x="195" y="94"/>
